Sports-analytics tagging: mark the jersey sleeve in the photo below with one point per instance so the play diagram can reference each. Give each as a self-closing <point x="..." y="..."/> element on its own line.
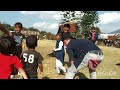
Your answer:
<point x="17" y="62"/>
<point x="40" y="58"/>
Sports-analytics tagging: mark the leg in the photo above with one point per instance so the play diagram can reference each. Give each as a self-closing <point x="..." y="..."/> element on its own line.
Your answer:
<point x="71" y="71"/>
<point x="58" y="70"/>
<point x="62" y="62"/>
<point x="93" y="63"/>
<point x="18" y="54"/>
<point x="84" y="62"/>
<point x="63" y="68"/>
<point x="58" y="64"/>
<point x="93" y="75"/>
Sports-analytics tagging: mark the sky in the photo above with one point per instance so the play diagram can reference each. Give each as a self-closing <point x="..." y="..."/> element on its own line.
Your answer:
<point x="49" y="20"/>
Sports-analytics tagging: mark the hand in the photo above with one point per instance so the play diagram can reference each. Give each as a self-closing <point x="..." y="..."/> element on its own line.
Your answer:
<point x="72" y="62"/>
<point x="41" y="75"/>
<point x="77" y="77"/>
<point x="10" y="34"/>
<point x="21" y="54"/>
<point x="96" y="42"/>
<point x="54" y="49"/>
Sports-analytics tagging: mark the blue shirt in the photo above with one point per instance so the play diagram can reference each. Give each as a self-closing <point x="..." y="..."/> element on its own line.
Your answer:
<point x="77" y="49"/>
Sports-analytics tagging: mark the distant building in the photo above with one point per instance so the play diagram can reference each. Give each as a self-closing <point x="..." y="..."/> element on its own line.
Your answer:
<point x="105" y="36"/>
<point x="109" y="36"/>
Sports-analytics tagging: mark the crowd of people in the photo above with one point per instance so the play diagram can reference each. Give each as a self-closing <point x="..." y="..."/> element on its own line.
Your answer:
<point x="14" y="59"/>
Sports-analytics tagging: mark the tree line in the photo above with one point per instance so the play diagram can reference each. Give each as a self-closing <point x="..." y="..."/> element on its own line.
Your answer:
<point x="42" y="34"/>
<point x="84" y="21"/>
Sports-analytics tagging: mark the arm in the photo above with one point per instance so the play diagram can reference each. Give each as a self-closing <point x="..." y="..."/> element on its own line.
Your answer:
<point x="40" y="67"/>
<point x="70" y="55"/>
<point x="96" y="40"/>
<point x="22" y="72"/>
<point x="4" y="29"/>
<point x="18" y="65"/>
<point x="10" y="34"/>
<point x="40" y="59"/>
<point x="60" y="46"/>
<point x="23" y="45"/>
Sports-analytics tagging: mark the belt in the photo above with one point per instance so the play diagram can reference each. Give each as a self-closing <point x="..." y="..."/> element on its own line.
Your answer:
<point x="98" y="52"/>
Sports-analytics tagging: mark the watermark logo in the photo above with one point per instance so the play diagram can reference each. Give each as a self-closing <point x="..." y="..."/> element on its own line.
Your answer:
<point x="105" y="73"/>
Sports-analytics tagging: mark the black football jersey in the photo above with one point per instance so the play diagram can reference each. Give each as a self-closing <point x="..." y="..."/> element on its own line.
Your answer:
<point x="30" y="60"/>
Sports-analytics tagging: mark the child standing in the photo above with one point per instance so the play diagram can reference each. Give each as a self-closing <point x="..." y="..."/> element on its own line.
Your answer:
<point x="19" y="38"/>
<point x="7" y="60"/>
<point x="60" y="53"/>
<point x="20" y="42"/>
<point x="31" y="59"/>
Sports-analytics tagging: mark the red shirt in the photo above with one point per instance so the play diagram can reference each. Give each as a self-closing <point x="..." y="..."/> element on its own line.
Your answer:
<point x="6" y="65"/>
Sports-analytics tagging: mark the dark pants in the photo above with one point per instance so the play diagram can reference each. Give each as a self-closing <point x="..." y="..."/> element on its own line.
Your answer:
<point x="18" y="51"/>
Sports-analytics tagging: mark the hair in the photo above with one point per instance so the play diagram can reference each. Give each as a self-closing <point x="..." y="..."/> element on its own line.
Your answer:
<point x="67" y="25"/>
<point x="7" y="45"/>
<point x="31" y="41"/>
<point x="67" y="36"/>
<point x="93" y="28"/>
<point x="19" y="25"/>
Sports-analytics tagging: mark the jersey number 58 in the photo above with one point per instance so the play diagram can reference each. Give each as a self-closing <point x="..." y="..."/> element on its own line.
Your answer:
<point x="29" y="58"/>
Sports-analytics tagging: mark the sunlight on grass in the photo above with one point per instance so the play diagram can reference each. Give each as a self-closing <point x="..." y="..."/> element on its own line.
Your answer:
<point x="107" y="69"/>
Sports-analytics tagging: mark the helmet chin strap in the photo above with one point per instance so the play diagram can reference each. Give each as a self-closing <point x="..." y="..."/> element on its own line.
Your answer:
<point x="4" y="29"/>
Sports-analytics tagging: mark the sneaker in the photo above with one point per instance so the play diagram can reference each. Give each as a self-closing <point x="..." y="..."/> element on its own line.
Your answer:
<point x="118" y="64"/>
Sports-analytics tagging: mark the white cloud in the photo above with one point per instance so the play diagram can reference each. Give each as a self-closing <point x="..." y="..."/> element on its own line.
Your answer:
<point x="109" y="17"/>
<point x="43" y="14"/>
<point x="45" y="26"/>
<point x="28" y="12"/>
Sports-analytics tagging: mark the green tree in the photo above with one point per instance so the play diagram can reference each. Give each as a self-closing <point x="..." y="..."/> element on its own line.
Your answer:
<point x="33" y="29"/>
<point x="9" y="27"/>
<point x="67" y="16"/>
<point x="89" y="19"/>
<point x="84" y="20"/>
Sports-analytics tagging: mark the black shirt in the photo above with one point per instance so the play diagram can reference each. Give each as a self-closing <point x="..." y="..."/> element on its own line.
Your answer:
<point x="30" y="60"/>
<point x="18" y="38"/>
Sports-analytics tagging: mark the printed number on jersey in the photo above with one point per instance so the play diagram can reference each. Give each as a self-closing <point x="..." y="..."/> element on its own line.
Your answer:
<point x="28" y="58"/>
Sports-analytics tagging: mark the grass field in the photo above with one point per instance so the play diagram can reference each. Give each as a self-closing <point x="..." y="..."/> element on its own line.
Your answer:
<point x="107" y="69"/>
